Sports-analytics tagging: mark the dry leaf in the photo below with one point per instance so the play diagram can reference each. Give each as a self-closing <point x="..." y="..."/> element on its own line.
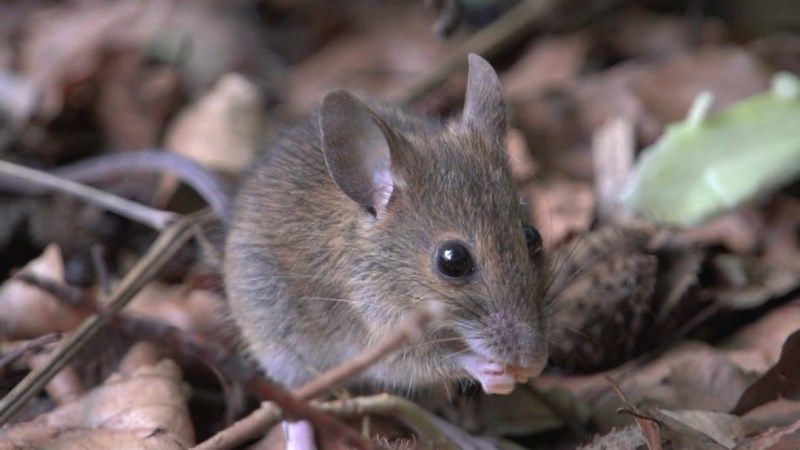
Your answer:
<point x="192" y="311"/>
<point x="62" y="45"/>
<point x="221" y="130"/>
<point x="145" y="410"/>
<point x="27" y="311"/>
<point x="548" y="62"/>
<point x="781" y="381"/>
<point x="561" y="209"/>
<point x="522" y="412"/>
<point x="779" y="438"/>
<point x="695" y="429"/>
<point x="522" y="165"/>
<point x="730" y="73"/>
<point x="383" y="59"/>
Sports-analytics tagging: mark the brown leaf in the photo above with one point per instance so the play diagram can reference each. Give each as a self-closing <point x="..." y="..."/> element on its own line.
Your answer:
<point x="613" y="150"/>
<point x="522" y="412"/>
<point x="27" y="311"/>
<point x="548" y="62"/>
<point x="522" y="165"/>
<point x="221" y="130"/>
<point x="730" y="73"/>
<point x="648" y="426"/>
<point x="561" y="209"/>
<point x="695" y="429"/>
<point x="63" y="45"/>
<point x="779" y="438"/>
<point x="193" y="311"/>
<point x="146" y="409"/>
<point x="781" y="381"/>
<point x="384" y="58"/>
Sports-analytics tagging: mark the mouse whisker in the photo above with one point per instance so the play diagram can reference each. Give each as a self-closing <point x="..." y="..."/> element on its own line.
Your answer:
<point x="330" y="299"/>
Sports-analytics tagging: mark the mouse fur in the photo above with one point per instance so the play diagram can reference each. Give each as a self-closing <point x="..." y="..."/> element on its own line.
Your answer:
<point x="334" y="233"/>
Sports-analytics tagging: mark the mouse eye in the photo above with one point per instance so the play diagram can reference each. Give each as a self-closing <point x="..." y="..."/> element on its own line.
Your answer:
<point x="453" y="260"/>
<point x="533" y="240"/>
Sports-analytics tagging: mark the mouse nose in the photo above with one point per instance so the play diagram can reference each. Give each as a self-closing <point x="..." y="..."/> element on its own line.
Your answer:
<point x="516" y="343"/>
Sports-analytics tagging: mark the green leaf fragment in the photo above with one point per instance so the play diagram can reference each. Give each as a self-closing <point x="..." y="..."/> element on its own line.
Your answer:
<point x="707" y="165"/>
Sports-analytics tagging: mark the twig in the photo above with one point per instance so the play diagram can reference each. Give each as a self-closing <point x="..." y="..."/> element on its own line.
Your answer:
<point x="101" y="269"/>
<point x="28" y="346"/>
<point x="613" y="149"/>
<point x="647" y="425"/>
<point x="146" y="215"/>
<point x="70" y="295"/>
<point x="254" y="424"/>
<point x="162" y="250"/>
<point x="510" y="26"/>
<point x="409" y="329"/>
<point x="295" y="408"/>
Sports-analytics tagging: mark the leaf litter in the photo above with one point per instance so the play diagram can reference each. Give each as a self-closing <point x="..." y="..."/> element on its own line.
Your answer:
<point x="696" y="325"/>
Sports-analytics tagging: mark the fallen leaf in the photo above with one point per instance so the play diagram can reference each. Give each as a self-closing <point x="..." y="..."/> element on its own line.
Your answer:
<point x="781" y="381"/>
<point x="27" y="311"/>
<point x="383" y="58"/>
<point x="648" y="427"/>
<point x="560" y="209"/>
<point x="146" y="410"/>
<point x="522" y="165"/>
<point x="222" y="130"/>
<point x="775" y="439"/>
<point x="62" y="45"/>
<point x="197" y="310"/>
<point x="548" y="62"/>
<point x="777" y="413"/>
<point x="730" y="73"/>
<point x="523" y="413"/>
<point x="695" y="429"/>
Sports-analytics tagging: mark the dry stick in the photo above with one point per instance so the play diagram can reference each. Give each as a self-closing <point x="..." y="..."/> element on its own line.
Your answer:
<point x="162" y="250"/>
<point x="294" y="408"/>
<point x="648" y="426"/>
<point x="28" y="346"/>
<point x="69" y="295"/>
<point x="154" y="218"/>
<point x="510" y="26"/>
<point x="257" y="423"/>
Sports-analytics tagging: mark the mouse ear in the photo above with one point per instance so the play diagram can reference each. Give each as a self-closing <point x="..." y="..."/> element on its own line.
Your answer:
<point x="484" y="104"/>
<point x="356" y="149"/>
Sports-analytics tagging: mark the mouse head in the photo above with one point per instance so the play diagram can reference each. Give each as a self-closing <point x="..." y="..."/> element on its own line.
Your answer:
<point x="441" y="222"/>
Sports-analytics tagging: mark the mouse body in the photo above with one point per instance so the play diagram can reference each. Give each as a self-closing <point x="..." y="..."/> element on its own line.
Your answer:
<point x="365" y="212"/>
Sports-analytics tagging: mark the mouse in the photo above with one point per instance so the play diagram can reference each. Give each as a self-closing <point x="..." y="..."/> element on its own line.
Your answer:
<point x="366" y="211"/>
<point x="360" y="214"/>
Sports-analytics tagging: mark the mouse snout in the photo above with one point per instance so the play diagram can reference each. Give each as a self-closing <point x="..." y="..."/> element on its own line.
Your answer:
<point x="505" y="351"/>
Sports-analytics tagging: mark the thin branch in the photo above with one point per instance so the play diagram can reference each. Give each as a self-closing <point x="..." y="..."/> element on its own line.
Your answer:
<point x="409" y="329"/>
<point x="69" y="295"/>
<point x="28" y="346"/>
<point x="101" y="269"/>
<point x="154" y="218"/>
<point x="254" y="425"/>
<point x="295" y="408"/>
<point x="647" y="425"/>
<point x="162" y="250"/>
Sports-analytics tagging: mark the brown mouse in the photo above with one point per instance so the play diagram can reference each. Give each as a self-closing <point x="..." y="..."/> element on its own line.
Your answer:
<point x="366" y="211"/>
